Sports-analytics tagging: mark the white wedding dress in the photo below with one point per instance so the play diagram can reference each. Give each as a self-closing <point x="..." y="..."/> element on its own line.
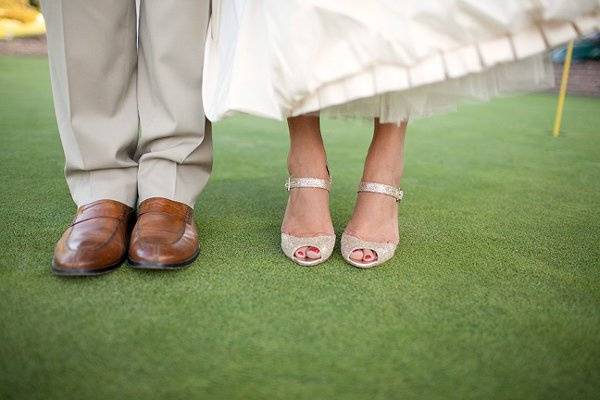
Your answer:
<point x="392" y="59"/>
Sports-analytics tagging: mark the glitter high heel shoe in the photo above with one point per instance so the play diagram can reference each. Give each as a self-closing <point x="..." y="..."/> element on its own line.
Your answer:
<point x="325" y="243"/>
<point x="384" y="251"/>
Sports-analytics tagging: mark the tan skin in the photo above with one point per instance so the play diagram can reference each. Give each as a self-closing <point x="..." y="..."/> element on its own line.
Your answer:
<point x="375" y="216"/>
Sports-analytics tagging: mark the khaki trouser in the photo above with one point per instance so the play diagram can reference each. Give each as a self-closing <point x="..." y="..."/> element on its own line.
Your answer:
<point x="130" y="117"/>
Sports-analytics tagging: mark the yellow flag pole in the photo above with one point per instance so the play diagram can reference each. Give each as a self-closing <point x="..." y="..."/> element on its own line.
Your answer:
<point x="563" y="90"/>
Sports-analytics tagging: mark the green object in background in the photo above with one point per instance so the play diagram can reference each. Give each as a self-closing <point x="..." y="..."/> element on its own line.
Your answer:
<point x="584" y="50"/>
<point x="494" y="292"/>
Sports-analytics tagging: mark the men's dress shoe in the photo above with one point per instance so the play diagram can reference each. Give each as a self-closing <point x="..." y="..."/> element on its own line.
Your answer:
<point x="96" y="240"/>
<point x="164" y="236"/>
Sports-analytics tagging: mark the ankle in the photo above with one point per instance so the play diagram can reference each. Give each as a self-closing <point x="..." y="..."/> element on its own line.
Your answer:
<point x="385" y="160"/>
<point x="387" y="175"/>
<point x="311" y="165"/>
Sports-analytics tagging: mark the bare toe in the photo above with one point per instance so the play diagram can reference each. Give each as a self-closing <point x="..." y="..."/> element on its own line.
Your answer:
<point x="369" y="256"/>
<point x="301" y="253"/>
<point x="357" y="255"/>
<point x="313" y="253"/>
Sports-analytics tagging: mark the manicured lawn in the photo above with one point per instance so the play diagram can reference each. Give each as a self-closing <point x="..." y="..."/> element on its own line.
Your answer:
<point x="494" y="292"/>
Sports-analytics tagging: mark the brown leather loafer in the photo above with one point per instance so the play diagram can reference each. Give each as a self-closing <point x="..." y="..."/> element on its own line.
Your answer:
<point x="164" y="236"/>
<point x="96" y="240"/>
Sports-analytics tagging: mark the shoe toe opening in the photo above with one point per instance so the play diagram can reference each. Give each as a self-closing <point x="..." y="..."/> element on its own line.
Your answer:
<point x="300" y="254"/>
<point x="369" y="256"/>
<point x="313" y="253"/>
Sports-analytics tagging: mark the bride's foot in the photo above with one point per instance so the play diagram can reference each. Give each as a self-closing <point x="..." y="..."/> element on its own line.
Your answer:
<point x="375" y="216"/>
<point x="375" y="219"/>
<point x="307" y="213"/>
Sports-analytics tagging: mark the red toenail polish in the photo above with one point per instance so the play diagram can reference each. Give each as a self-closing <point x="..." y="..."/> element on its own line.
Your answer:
<point x="315" y="249"/>
<point x="300" y="254"/>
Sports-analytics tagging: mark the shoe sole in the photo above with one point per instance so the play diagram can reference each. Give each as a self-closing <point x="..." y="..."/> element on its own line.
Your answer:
<point x="84" y="272"/>
<point x="364" y="266"/>
<point x="308" y="264"/>
<point x="163" y="267"/>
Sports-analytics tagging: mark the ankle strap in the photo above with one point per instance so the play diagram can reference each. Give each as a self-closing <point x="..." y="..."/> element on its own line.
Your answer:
<point x="316" y="183"/>
<point x="380" y="188"/>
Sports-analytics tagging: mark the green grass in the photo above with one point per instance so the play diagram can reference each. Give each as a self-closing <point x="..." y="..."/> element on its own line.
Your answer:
<point x="494" y="292"/>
